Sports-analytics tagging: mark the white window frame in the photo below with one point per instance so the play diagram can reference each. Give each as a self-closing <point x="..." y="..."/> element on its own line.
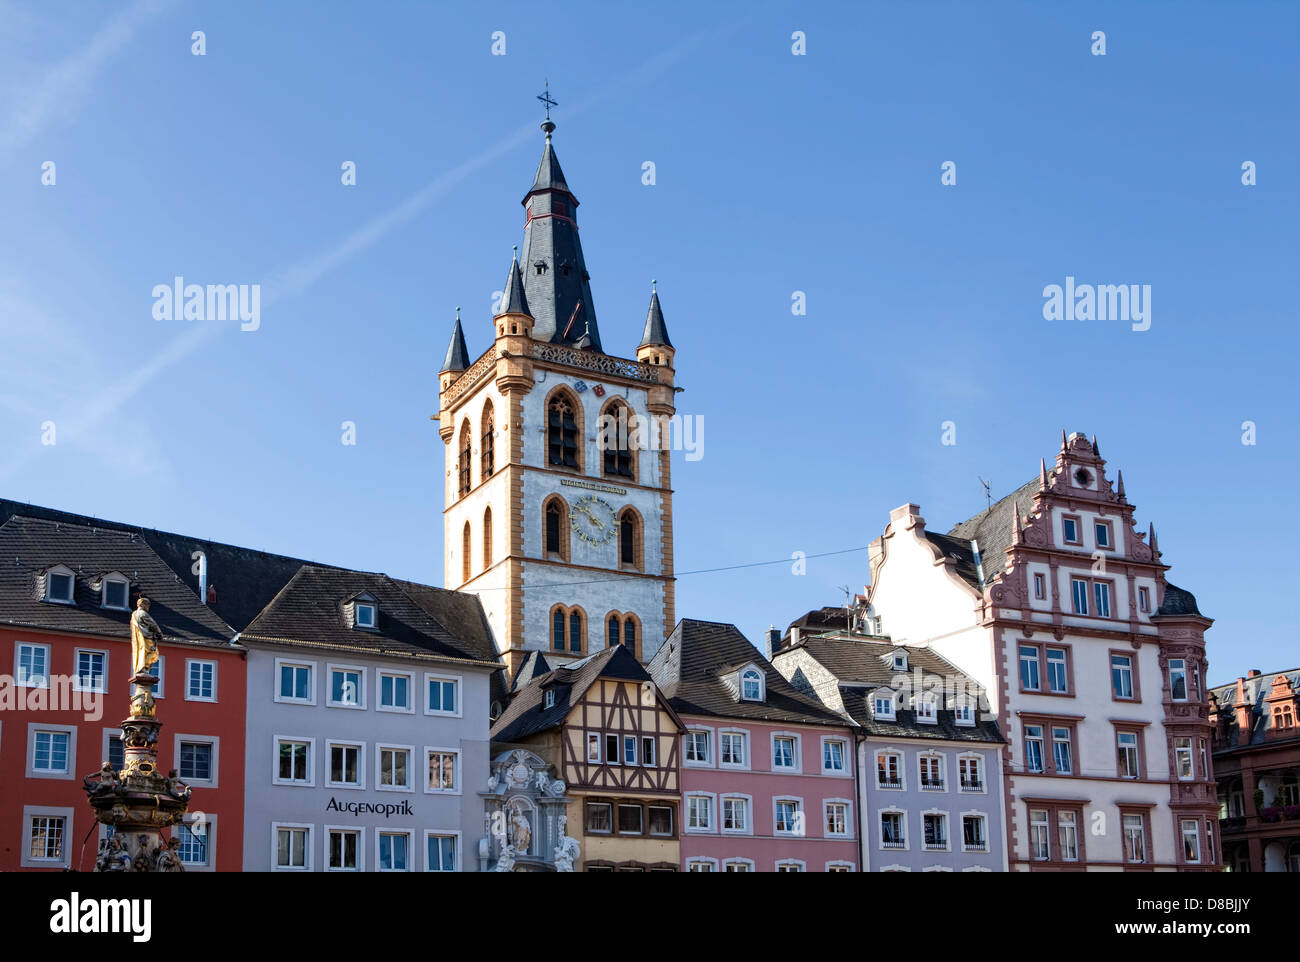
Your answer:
<point x="712" y="804"/>
<point x="1183" y="836"/>
<point x="935" y="868"/>
<point x="374" y="615"/>
<point x="747" y="862"/>
<point x="410" y="767"/>
<point x="190" y="663"/>
<point x="72" y="576"/>
<point x="308" y="843"/>
<point x="947" y="833"/>
<point x="330" y="669"/>
<point x="115" y="577"/>
<point x="880" y="830"/>
<point x="797" y="767"/>
<point x="749" y="813"/>
<point x="548" y="699"/>
<point x="460" y="694"/>
<point x="443" y="833"/>
<point x="762" y="686"/>
<point x="942" y="758"/>
<point x="46" y="811"/>
<point x="159" y="671"/>
<point x="902" y="770"/>
<point x="800" y="810"/>
<point x="709" y="741"/>
<point x="310" y="742"/>
<point x="76" y="671"/>
<point x="1191" y="759"/>
<point x="359" y="831"/>
<point x="458" y="775"/>
<point x="981" y="770"/>
<point x="636" y="750"/>
<point x="845" y="758"/>
<point x="742" y="766"/>
<point x="963" y="714"/>
<point x="213" y="741"/>
<point x="23" y="681"/>
<point x="880" y="695"/>
<point x="311" y="666"/>
<point x="702" y="860"/>
<point x="988" y="844"/>
<point x="209" y="822"/>
<point x="927" y="709"/>
<point x="381" y="830"/>
<point x="837" y="864"/>
<point x="1187" y="681"/>
<point x="649" y="759"/>
<point x="380" y="675"/>
<point x="900" y="661"/>
<point x="358" y="744"/>
<point x="70" y="731"/>
<point x="803" y="866"/>
<point x="109" y="735"/>
<point x="848" y="818"/>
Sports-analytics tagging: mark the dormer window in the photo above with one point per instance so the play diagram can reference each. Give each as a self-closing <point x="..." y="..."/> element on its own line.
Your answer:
<point x="58" y="585"/>
<point x="549" y="699"/>
<point x="367" y="614"/>
<point x="751" y="685"/>
<point x="900" y="661"/>
<point x="964" y="713"/>
<point x="114" y="592"/>
<point x="926" y="710"/>
<point x="883" y="705"/>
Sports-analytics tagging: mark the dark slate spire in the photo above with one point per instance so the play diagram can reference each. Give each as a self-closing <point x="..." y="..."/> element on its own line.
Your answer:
<point x="554" y="272"/>
<point x="656" y="333"/>
<point x="457" y="353"/>
<point x="513" y="300"/>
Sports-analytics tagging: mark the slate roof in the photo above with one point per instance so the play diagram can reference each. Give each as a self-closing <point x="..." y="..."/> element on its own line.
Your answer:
<point x="533" y="666"/>
<point x="29" y="546"/>
<point x="1256" y="689"/>
<point x="959" y="550"/>
<point x="513" y="300"/>
<point x="527" y="715"/>
<point x="457" y="353"/>
<point x="861" y="666"/>
<point x="1178" y="601"/>
<point x="991" y="529"/>
<point x="309" y="611"/>
<point x="549" y="175"/>
<point x="656" y="332"/>
<point x="831" y="618"/>
<point x="689" y="666"/>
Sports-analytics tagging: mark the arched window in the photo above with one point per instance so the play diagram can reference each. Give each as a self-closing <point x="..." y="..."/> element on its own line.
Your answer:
<point x="629" y="538"/>
<point x="751" y="685"/>
<point x="618" y="427"/>
<point x="464" y="550"/>
<point x="487" y="538"/>
<point x="629" y="634"/>
<point x="557" y="628"/>
<point x="555" y="528"/>
<point x="623" y="629"/>
<point x="568" y="630"/>
<point x="576" y="633"/>
<point x="488" y="447"/>
<point x="614" y="628"/>
<point x="563" y="431"/>
<point x="463" y="467"/>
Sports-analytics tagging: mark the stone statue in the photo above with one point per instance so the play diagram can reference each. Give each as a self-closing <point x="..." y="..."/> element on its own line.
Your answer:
<point x="521" y="833"/>
<point x="506" y="863"/>
<point x="566" y="853"/>
<point x="168" y="859"/>
<point x="113" y="856"/>
<point x="144" y="855"/>
<point x="542" y="781"/>
<point x="101" y="782"/>
<point x="174" y="786"/>
<point x="145" y="636"/>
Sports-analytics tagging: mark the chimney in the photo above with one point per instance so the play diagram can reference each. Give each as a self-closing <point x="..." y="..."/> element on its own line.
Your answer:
<point x="203" y="577"/>
<point x="794" y="636"/>
<point x="1253" y="673"/>
<point x="773" y="634"/>
<point x="1242" y="710"/>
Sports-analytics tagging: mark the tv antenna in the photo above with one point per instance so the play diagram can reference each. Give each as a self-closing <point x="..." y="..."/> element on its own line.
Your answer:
<point x="988" y="495"/>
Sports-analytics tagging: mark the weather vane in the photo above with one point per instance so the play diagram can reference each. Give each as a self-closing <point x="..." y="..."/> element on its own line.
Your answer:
<point x="545" y="97"/>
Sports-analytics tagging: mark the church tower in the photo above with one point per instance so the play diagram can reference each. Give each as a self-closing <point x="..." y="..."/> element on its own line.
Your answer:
<point x="558" y="495"/>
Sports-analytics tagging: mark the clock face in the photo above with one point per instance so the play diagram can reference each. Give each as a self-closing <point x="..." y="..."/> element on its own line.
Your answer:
<point x="592" y="519"/>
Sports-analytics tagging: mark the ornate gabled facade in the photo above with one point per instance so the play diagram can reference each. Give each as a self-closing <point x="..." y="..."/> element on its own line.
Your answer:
<point x="558" y="500"/>
<point x="1093" y="663"/>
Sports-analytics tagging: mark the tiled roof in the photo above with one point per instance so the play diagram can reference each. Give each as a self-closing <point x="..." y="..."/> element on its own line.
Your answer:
<point x="1257" y="689"/>
<point x="689" y="669"/>
<point x="30" y="546"/>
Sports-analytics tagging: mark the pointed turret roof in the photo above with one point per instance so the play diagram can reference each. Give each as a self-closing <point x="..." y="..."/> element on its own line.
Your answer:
<point x="549" y="175"/>
<point x="513" y="300"/>
<point x="457" y="353"/>
<point x="656" y="332"/>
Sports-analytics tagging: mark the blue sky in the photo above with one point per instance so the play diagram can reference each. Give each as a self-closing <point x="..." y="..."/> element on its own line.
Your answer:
<point x="775" y="173"/>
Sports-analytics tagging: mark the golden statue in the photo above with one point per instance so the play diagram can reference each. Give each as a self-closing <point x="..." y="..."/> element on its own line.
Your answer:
<point x="145" y="636"/>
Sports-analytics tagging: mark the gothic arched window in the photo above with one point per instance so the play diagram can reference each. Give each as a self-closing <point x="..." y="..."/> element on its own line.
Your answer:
<point x="487" y="538"/>
<point x="464" y="550"/>
<point x="623" y="629"/>
<point x="555" y="528"/>
<point x="567" y="630"/>
<point x="618" y="441"/>
<point x="576" y="634"/>
<point x="557" y="628"/>
<point x="488" y="446"/>
<point x="463" y="465"/>
<point x="563" y="430"/>
<point x="629" y="538"/>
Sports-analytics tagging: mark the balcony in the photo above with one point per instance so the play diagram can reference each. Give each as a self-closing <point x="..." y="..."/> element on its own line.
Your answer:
<point x="932" y="784"/>
<point x="893" y="843"/>
<point x="972" y="785"/>
<point x="885" y="782"/>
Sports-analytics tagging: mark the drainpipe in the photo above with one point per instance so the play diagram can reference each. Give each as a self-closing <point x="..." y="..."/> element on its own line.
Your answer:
<point x="859" y="745"/>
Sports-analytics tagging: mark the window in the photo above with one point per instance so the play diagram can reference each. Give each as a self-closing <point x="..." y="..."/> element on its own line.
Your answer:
<point x="115" y="594"/>
<point x="738" y="865"/>
<point x="751" y="685"/>
<point x="556" y="524"/>
<point x="1209" y="846"/>
<point x="935" y="827"/>
<point x="883" y="706"/>
<point x="1061" y="753"/>
<point x="837" y="818"/>
<point x="32" y="665"/>
<point x="1068" y="831"/>
<point x="1178" y="679"/>
<point x="1144" y="599"/>
<point x="346" y="687"/>
<point x="367" y="615"/>
<point x="51" y="752"/>
<point x="789" y="817"/>
<point x="394" y="767"/>
<point x="593" y="748"/>
<point x="701" y="865"/>
<point x="575" y="631"/>
<point x="1039" y="836"/>
<point x="699" y="813"/>
<point x="293" y="759"/>
<point x="735" y="814"/>
<point x="1102" y="531"/>
<point x="697" y="747"/>
<point x="1037" y="661"/>
<point x="889" y="770"/>
<point x="1033" y="748"/>
<point x="617" y="460"/>
<point x="648" y="751"/>
<point x="393" y="852"/>
<point x="1183" y="759"/>
<point x="900" y="661"/>
<point x="1079" y="592"/>
<point x="296" y="684"/>
<point x="487" y="538"/>
<point x="970" y="773"/>
<point x="629" y="539"/>
<point x="345" y="766"/>
<point x="1126" y="744"/>
<point x="611" y="749"/>
<point x="661" y="820"/>
<point x="442" y="771"/>
<point x="193" y="835"/>
<point x="789" y="865"/>
<point x="931" y="773"/>
<point x="466" y="561"/>
<point x="291" y="847"/>
<point x="200" y="680"/>
<point x="891" y="830"/>
<point x="562" y="432"/>
<point x="1101" y="592"/>
<point x="91" y="668"/>
<point x="46" y="838"/>
<point x="973" y="836"/>
<point x="58" y="586"/>
<point x="629" y="749"/>
<point x="440" y="853"/>
<point x="116" y="753"/>
<point x="833" y="756"/>
<point x="344" y="850"/>
<point x="600" y="818"/>
<point x="1029" y="668"/>
<point x="963" y="713"/>
<point x="1121" y="676"/>
<point x="839" y="867"/>
<point x="1135" y="837"/>
<point x="487" y="462"/>
<point x="548" y="700"/>
<point x="927" y="710"/>
<point x="629" y="820"/>
<point x="196" y="761"/>
<point x="1070" y="530"/>
<point x="732" y="745"/>
<point x="785" y="752"/>
<point x="395" y="692"/>
<point x="463" y="472"/>
<point x="1191" y="841"/>
<point x="1056" y="671"/>
<point x="444" y="695"/>
<point x="622" y="630"/>
<point x="1040" y="586"/>
<point x="158" y="670"/>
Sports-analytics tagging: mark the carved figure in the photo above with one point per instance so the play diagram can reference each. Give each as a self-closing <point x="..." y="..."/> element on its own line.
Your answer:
<point x="145" y="636"/>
